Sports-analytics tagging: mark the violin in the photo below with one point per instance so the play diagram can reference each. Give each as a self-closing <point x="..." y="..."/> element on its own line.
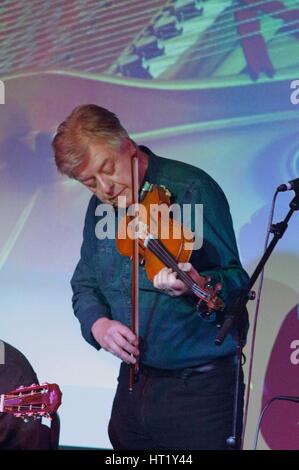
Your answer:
<point x="163" y="242"/>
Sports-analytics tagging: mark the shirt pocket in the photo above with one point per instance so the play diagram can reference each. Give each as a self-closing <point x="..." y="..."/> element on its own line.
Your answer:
<point x="107" y="264"/>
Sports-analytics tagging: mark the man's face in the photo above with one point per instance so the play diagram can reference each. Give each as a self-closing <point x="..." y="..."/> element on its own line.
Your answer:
<point x="106" y="171"/>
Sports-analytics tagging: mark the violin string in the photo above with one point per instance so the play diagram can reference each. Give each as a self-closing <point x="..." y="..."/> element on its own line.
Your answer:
<point x="187" y="280"/>
<point x="162" y="253"/>
<point x="171" y="262"/>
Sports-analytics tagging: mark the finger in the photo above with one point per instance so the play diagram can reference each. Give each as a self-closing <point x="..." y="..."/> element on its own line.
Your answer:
<point x="169" y="282"/>
<point x="185" y="266"/>
<point x="125" y="345"/>
<point x="127" y="333"/>
<point x="158" y="278"/>
<point x="164" y="278"/>
<point x="157" y="281"/>
<point x="193" y="273"/>
<point x="117" y="350"/>
<point x="173" y="280"/>
<point x="177" y="284"/>
<point x="177" y="288"/>
<point x="121" y="354"/>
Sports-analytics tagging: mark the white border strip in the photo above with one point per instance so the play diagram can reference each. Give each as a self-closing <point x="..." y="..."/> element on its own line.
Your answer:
<point x="1" y="403"/>
<point x="2" y="353"/>
<point x="2" y="92"/>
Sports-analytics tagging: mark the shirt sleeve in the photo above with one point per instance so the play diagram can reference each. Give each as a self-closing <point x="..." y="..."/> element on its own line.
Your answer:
<point x="89" y="303"/>
<point x="219" y="257"/>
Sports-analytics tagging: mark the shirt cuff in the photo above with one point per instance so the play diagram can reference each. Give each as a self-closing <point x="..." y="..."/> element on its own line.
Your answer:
<point x="88" y="318"/>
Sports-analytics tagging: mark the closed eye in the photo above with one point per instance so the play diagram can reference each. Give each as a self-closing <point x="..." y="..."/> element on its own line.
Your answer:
<point x="108" y="168"/>
<point x="91" y="182"/>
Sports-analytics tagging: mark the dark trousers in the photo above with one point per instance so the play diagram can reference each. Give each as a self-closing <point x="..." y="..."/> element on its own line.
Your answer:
<point x="194" y="413"/>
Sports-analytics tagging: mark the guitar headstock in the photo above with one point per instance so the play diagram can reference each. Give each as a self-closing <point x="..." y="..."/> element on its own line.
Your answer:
<point x="34" y="401"/>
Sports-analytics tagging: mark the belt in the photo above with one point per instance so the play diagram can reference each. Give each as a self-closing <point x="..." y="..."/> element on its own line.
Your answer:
<point x="218" y="363"/>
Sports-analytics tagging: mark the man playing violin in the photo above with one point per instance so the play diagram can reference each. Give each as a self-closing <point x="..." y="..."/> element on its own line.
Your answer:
<point x="184" y="395"/>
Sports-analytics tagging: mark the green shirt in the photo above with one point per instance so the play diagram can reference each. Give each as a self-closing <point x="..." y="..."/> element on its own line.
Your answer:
<point x="172" y="334"/>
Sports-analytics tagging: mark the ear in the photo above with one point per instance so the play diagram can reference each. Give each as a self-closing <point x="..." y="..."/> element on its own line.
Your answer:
<point x="128" y="146"/>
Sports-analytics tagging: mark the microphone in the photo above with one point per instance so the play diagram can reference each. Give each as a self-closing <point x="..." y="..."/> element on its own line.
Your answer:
<point x="293" y="184"/>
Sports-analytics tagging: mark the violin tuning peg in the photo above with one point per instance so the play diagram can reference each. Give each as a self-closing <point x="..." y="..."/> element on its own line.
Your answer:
<point x="218" y="286"/>
<point x="167" y="192"/>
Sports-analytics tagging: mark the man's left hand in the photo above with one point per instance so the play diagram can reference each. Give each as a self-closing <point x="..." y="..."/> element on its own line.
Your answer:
<point x="167" y="280"/>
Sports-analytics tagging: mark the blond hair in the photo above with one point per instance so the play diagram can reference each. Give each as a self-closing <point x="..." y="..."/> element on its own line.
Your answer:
<point x="87" y="123"/>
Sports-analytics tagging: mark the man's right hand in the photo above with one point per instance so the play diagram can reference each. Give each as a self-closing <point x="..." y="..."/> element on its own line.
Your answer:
<point x="116" y="338"/>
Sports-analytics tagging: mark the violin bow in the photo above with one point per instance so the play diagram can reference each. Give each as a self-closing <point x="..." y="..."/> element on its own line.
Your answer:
<point x="135" y="271"/>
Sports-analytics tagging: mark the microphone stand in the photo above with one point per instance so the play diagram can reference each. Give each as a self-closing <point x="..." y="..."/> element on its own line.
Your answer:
<point x="235" y="315"/>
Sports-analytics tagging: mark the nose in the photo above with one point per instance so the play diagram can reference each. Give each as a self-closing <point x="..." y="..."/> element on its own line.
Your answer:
<point x="105" y="185"/>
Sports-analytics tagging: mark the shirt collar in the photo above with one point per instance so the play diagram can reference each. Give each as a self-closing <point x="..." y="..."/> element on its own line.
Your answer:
<point x="152" y="168"/>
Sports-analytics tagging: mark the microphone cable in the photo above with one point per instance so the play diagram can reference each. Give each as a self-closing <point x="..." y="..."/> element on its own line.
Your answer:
<point x="255" y="319"/>
<point x="266" y="407"/>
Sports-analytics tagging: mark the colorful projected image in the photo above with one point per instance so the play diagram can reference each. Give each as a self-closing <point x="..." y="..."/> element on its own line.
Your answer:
<point x="213" y="84"/>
